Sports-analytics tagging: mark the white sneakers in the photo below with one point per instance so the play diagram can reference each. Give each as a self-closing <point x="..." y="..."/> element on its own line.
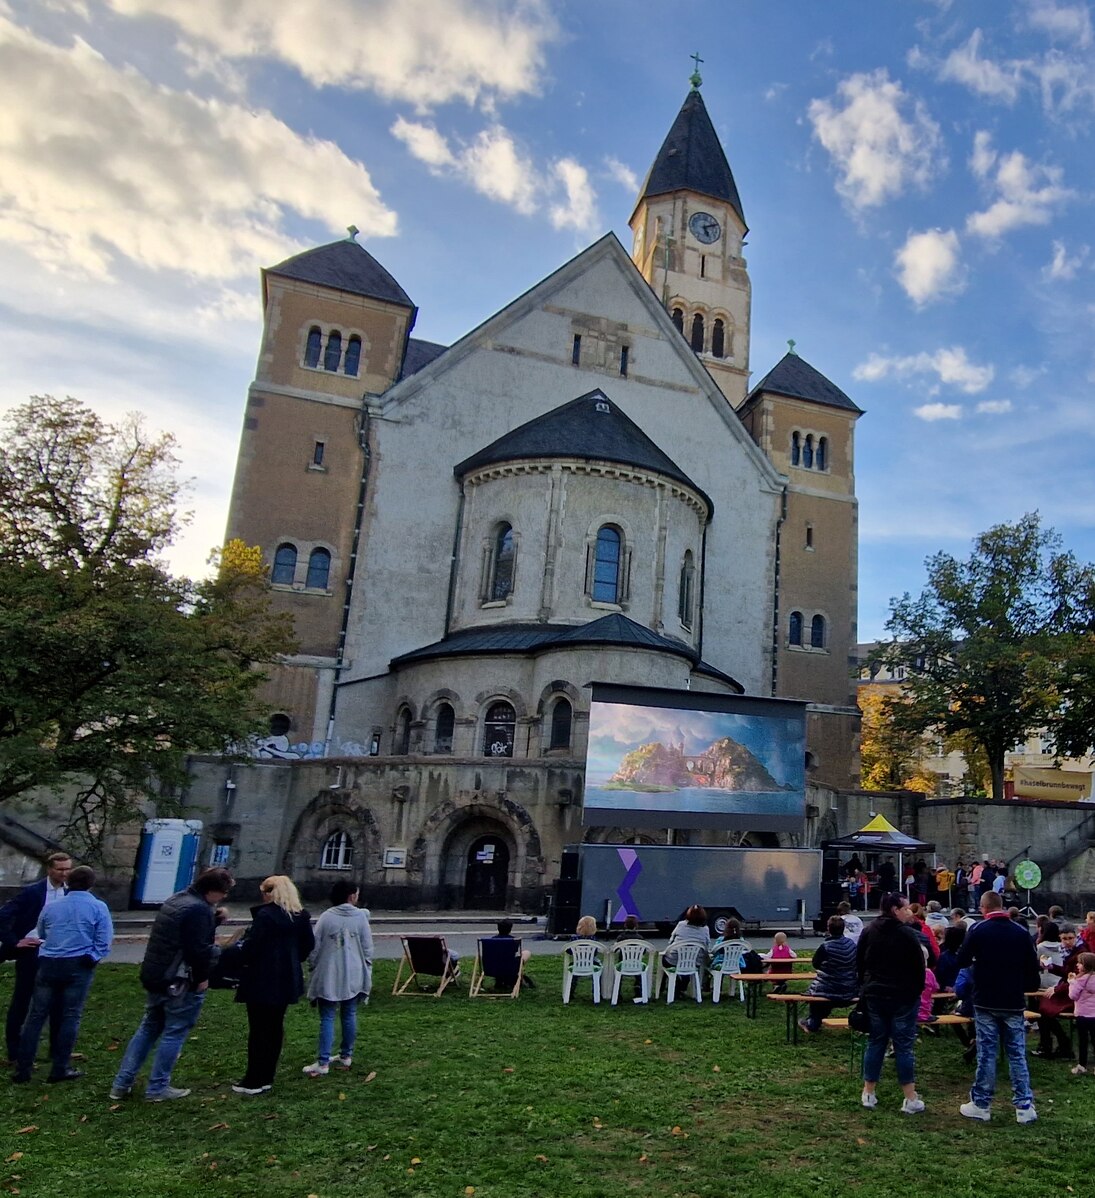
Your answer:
<point x="912" y="1106"/>
<point x="972" y="1111"/>
<point x="870" y="1101"/>
<point x="315" y="1069"/>
<point x="1077" y="1070"/>
<point x="342" y="1062"/>
<point x="1025" y="1114"/>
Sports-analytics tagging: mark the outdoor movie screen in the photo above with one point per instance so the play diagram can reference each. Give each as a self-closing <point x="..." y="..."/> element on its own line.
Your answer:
<point x="684" y="759"/>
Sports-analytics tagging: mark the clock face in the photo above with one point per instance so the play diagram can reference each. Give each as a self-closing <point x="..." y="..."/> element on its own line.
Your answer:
<point x="704" y="227"/>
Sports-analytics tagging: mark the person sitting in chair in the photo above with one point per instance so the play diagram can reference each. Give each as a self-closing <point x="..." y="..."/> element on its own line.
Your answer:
<point x="505" y="927"/>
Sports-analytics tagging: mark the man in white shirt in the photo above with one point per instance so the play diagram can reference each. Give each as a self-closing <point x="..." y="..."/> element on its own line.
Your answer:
<point x="853" y="925"/>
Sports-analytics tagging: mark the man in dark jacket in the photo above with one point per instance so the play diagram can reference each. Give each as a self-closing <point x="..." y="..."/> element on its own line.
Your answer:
<point x="1005" y="966"/>
<point x="18" y="921"/>
<point x="175" y="973"/>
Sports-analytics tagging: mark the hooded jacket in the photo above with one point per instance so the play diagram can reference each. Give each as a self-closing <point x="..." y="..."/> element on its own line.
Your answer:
<point x="342" y="960"/>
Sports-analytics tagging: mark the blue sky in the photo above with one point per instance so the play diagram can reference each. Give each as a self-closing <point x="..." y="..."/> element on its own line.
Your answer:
<point x="918" y="180"/>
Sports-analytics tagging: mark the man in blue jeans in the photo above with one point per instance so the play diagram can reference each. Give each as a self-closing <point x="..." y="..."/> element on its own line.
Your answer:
<point x="175" y="973"/>
<point x="75" y="935"/>
<point x="1005" y="965"/>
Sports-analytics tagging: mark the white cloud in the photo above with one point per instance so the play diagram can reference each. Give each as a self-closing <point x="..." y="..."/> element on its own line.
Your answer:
<point x="938" y="411"/>
<point x="424" y="142"/>
<point x="929" y="266"/>
<point x="1061" y="266"/>
<point x="99" y="168"/>
<point x="579" y="210"/>
<point x="1028" y="193"/>
<point x="623" y="174"/>
<point x="436" y="52"/>
<point x="994" y="407"/>
<point x="951" y="366"/>
<point x="1023" y="376"/>
<point x="880" y="139"/>
<point x="966" y="66"/>
<point x="1064" y="23"/>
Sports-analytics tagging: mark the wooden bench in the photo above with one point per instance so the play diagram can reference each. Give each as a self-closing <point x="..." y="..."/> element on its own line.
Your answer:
<point x="754" y="982"/>
<point x="790" y="1005"/>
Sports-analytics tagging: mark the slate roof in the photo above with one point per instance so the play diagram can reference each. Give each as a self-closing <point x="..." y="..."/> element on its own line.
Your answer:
<point x="346" y="265"/>
<point x="795" y="377"/>
<point x="611" y="630"/>
<point x="419" y="354"/>
<point x="692" y="159"/>
<point x="579" y="430"/>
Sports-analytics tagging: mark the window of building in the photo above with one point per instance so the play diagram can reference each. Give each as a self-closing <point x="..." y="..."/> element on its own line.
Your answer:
<point x="285" y="565"/>
<point x="333" y="354"/>
<point x="353" y="356"/>
<point x="796" y="449"/>
<point x="318" y="451"/>
<point x="606" y="565"/>
<point x="319" y="569"/>
<point x="718" y="338"/>
<point x="498" y="730"/>
<point x="809" y="536"/>
<point x="822" y="459"/>
<point x="446" y="723"/>
<point x="817" y="632"/>
<point x="794" y="628"/>
<point x="576" y="350"/>
<point x="314" y="346"/>
<point x="338" y="852"/>
<point x="623" y="360"/>
<point x="560" y="725"/>
<point x="402" y="744"/>
<point x="703" y="266"/>
<point x="502" y="578"/>
<point x="697" y="333"/>
<point x="808" y="452"/>
<point x="687" y="584"/>
<point x="678" y="320"/>
<point x="280" y="724"/>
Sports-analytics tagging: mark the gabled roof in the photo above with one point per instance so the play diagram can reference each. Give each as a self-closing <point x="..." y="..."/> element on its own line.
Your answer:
<point x="613" y="630"/>
<point x="796" y="378"/>
<point x="344" y="265"/>
<point x="692" y="159"/>
<point x="590" y="428"/>
<point x="419" y="354"/>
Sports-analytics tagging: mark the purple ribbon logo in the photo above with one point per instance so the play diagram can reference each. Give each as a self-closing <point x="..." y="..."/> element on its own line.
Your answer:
<point x="634" y="867"/>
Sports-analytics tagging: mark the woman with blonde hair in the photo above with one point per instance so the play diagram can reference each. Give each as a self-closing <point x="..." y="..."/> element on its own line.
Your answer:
<point x="278" y="940"/>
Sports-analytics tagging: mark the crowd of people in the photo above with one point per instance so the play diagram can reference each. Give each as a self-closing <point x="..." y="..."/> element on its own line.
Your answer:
<point x="962" y="886"/>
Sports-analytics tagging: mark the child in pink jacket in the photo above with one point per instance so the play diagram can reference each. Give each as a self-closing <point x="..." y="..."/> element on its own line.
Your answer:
<point x="1081" y="989"/>
<point x="925" y="1015"/>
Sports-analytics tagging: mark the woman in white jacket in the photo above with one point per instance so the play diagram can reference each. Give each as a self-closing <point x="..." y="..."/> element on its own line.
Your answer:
<point x="342" y="974"/>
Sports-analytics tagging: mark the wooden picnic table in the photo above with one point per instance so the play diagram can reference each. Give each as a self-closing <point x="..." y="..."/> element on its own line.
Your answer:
<point x="754" y="982"/>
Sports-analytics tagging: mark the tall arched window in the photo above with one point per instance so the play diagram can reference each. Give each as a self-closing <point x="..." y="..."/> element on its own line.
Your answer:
<point x="333" y="355"/>
<point x="498" y="730"/>
<point x="718" y="338"/>
<point x="794" y="628"/>
<point x="687" y="585"/>
<point x="446" y="722"/>
<point x="285" y="565"/>
<point x="502" y="577"/>
<point x="560" y="725"/>
<point x="678" y="319"/>
<point x="402" y="744"/>
<point x="796" y="449"/>
<point x="817" y="632"/>
<point x="338" y="852"/>
<point x="319" y="569"/>
<point x="353" y="356"/>
<point x="315" y="344"/>
<point x="808" y="451"/>
<point x="822" y="459"/>
<point x="606" y="565"/>
<point x="697" y="333"/>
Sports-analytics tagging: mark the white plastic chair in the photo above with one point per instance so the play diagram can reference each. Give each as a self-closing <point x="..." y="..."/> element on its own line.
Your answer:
<point x="582" y="959"/>
<point x="727" y="955"/>
<point x="688" y="964"/>
<point x="632" y="959"/>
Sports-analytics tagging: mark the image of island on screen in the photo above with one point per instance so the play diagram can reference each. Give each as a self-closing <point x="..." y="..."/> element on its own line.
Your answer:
<point x="682" y="759"/>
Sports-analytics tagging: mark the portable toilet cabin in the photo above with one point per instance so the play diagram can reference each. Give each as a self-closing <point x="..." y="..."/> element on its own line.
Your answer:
<point x="167" y="859"/>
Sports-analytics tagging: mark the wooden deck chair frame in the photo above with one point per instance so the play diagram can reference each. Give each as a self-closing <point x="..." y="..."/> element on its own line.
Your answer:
<point x="428" y="955"/>
<point x="497" y="954"/>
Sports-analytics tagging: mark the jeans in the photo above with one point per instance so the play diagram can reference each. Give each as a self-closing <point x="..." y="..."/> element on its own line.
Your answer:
<point x="265" y="1035"/>
<point x="1085" y="1032"/>
<point x="348" y="1012"/>
<point x="896" y="1021"/>
<point x="168" y="1020"/>
<point x="60" y="991"/>
<point x="992" y="1026"/>
<point x="22" y="991"/>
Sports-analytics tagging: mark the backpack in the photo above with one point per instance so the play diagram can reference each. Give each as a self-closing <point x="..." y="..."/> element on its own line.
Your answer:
<point x="752" y="962"/>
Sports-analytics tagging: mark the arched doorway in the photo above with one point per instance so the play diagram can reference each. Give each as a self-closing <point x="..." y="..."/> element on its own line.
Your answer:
<point x="487" y="874"/>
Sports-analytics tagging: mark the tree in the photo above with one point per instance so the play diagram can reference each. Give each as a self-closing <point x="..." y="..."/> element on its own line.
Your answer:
<point x="995" y="645"/>
<point x="889" y="753"/>
<point x="112" y="670"/>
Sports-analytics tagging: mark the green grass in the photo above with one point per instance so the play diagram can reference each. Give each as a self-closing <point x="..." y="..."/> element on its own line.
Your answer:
<point x="528" y="1098"/>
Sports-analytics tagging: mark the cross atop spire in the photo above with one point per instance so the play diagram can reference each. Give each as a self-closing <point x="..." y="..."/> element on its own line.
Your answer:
<point x="696" y="78"/>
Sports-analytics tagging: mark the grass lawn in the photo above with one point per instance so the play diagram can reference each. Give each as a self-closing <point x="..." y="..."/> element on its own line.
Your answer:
<point x="505" y="1099"/>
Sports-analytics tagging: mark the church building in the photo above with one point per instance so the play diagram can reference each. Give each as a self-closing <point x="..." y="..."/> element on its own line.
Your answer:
<point x="584" y="488"/>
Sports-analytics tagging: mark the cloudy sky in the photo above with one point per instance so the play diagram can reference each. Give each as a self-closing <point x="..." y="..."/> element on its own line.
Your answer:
<point x="918" y="179"/>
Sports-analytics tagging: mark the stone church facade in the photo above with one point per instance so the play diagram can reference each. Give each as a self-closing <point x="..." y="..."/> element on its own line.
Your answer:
<point x="583" y="488"/>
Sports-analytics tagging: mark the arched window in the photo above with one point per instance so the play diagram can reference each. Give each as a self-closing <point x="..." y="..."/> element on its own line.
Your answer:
<point x="678" y="319"/>
<point x="808" y="452"/>
<point x="498" y="730"/>
<point x="822" y="458"/>
<point x="285" y="565"/>
<point x="333" y="355"/>
<point x="794" y="629"/>
<point x="687" y="585"/>
<point x="697" y="333"/>
<point x="502" y="578"/>
<point x="606" y="565"/>
<point x="338" y="852"/>
<point x="315" y="344"/>
<point x="817" y="632"/>
<point x="402" y="744"/>
<point x="446" y="722"/>
<point x="353" y="356"/>
<point x="560" y="725"/>
<point x="796" y="449"/>
<point x="718" y="339"/>
<point x="319" y="569"/>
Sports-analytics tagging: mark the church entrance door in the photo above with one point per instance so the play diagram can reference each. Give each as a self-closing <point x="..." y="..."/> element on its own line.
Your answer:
<point x="487" y="874"/>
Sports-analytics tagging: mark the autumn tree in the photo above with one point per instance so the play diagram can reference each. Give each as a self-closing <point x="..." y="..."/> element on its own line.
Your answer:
<point x="112" y="669"/>
<point x="889" y="753"/>
<point x="999" y="645"/>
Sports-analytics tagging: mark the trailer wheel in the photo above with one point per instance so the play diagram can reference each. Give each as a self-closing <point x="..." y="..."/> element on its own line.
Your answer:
<point x="719" y="919"/>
